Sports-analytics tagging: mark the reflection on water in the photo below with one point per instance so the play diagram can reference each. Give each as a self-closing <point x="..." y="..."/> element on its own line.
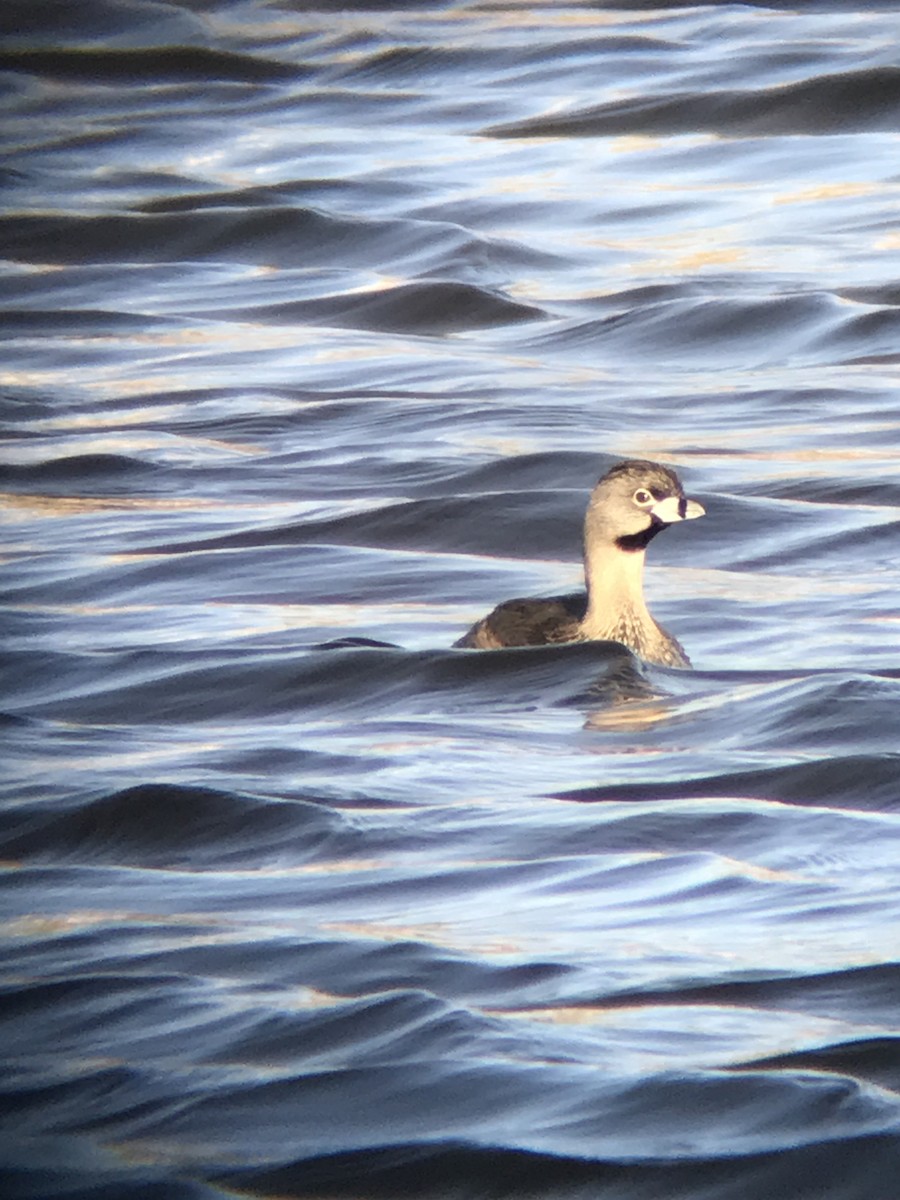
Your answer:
<point x="632" y="715"/>
<point x="320" y="324"/>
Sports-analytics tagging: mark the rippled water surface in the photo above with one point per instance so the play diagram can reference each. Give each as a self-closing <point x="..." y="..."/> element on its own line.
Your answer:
<point x="320" y="322"/>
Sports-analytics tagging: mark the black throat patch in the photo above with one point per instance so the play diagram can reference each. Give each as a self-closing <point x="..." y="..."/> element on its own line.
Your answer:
<point x="639" y="541"/>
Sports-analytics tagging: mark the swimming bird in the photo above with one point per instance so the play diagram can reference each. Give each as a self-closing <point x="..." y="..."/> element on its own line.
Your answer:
<point x="633" y="501"/>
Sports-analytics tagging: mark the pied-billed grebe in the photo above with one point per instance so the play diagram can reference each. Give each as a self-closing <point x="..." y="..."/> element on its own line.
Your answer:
<point x="632" y="502"/>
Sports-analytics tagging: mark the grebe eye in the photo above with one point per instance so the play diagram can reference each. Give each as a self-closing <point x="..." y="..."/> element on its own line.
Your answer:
<point x="643" y="497"/>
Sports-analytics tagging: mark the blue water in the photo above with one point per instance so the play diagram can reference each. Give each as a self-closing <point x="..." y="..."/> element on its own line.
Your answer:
<point x="320" y="322"/>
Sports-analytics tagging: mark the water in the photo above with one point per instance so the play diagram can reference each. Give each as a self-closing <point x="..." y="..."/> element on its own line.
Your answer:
<point x="320" y="323"/>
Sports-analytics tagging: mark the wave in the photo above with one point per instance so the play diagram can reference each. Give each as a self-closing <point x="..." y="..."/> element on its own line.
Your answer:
<point x="84" y="471"/>
<point x="808" y="327"/>
<point x="595" y="1118"/>
<point x="843" y="102"/>
<point x="874" y="1059"/>
<point x="155" y="65"/>
<point x="82" y="323"/>
<point x="483" y="524"/>
<point x="325" y="682"/>
<point x="865" y="782"/>
<point x="849" y="1170"/>
<point x="295" y="236"/>
<point x="427" y="307"/>
<point x="105" y="21"/>
<point x="166" y="825"/>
